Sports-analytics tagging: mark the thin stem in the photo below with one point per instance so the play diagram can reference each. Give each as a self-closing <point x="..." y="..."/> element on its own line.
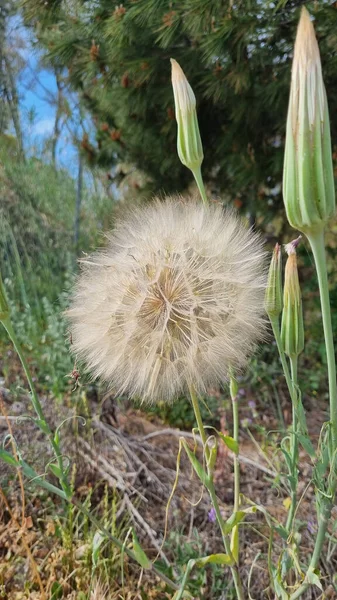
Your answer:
<point x="37" y="405"/>
<point x="200" y="184"/>
<point x="322" y="527"/>
<point x="318" y="250"/>
<point x="120" y="544"/>
<point x="212" y="493"/>
<point x="226" y="542"/>
<point x="35" y="400"/>
<point x="235" y="532"/>
<point x="276" y="331"/>
<point x="198" y="417"/>
<point x="236" y="460"/>
<point x="294" y="445"/>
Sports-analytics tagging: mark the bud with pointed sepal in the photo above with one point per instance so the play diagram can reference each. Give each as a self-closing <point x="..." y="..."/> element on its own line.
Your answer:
<point x="189" y="144"/>
<point x="308" y="182"/>
<point x="292" y="329"/>
<point x="273" y="296"/>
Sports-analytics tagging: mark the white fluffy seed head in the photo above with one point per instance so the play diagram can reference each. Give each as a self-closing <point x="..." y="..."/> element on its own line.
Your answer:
<point x="174" y="300"/>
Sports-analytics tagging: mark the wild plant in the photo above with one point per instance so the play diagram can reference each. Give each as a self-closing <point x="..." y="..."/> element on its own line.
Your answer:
<point x="175" y="304"/>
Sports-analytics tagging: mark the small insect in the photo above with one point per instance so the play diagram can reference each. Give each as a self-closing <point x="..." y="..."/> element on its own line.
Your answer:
<point x="75" y="376"/>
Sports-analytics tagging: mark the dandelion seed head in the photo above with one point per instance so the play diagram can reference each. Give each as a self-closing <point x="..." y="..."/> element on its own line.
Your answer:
<point x="174" y="300"/>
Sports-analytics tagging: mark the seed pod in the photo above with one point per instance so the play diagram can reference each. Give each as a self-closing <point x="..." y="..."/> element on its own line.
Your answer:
<point x="273" y="296"/>
<point x="308" y="182"/>
<point x="292" y="329"/>
<point x="189" y="143"/>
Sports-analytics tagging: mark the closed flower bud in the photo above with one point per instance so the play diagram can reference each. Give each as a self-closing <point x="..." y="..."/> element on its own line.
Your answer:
<point x="308" y="183"/>
<point x="292" y="330"/>
<point x="273" y="295"/>
<point x="4" y="308"/>
<point x="188" y="141"/>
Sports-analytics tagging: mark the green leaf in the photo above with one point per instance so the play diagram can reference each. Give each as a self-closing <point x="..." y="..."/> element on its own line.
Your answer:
<point x="184" y="594"/>
<point x="214" y="559"/>
<point x="288" y="459"/>
<point x="306" y="444"/>
<point x="200" y="471"/>
<point x="235" y="543"/>
<point x="96" y="544"/>
<point x="8" y="458"/>
<point x="56" y="591"/>
<point x="140" y="555"/>
<point x="42" y="425"/>
<point x="234" y="520"/>
<point x="55" y="470"/>
<point x="313" y="578"/>
<point x="279" y="589"/>
<point x="230" y="442"/>
<point x="282" y="532"/>
<point x="301" y="415"/>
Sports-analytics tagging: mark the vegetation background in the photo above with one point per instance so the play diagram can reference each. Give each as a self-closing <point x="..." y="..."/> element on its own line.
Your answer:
<point x="101" y="72"/>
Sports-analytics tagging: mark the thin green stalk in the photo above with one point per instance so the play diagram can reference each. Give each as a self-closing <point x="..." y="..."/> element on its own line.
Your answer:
<point x="200" y="184"/>
<point x="212" y="493"/>
<point x="37" y="406"/>
<point x="198" y="417"/>
<point x="120" y="544"/>
<point x="322" y="527"/>
<point x="234" y="568"/>
<point x="35" y="401"/>
<point x="236" y="460"/>
<point x="276" y="331"/>
<point x="318" y="250"/>
<point x="294" y="445"/>
<point x="235" y="408"/>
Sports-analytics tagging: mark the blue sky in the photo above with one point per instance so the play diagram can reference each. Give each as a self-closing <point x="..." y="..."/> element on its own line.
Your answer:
<point x="37" y="88"/>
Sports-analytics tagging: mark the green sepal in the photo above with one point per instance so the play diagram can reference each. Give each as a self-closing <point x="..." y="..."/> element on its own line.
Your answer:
<point x="273" y="301"/>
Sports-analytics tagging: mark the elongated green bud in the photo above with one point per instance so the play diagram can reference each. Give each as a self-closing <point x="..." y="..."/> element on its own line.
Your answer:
<point x="308" y="182"/>
<point x="188" y="141"/>
<point x="4" y="308"/>
<point x="292" y="330"/>
<point x="273" y="296"/>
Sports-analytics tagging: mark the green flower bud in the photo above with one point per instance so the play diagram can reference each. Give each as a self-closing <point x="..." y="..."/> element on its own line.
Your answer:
<point x="292" y="329"/>
<point x="273" y="296"/>
<point x="308" y="182"/>
<point x="4" y="308"/>
<point x="188" y="141"/>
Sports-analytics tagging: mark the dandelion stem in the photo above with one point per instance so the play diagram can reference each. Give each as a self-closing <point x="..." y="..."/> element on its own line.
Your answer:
<point x="198" y="417"/>
<point x="235" y="532"/>
<point x="200" y="184"/>
<point x="291" y="380"/>
<point x="213" y="496"/>
<point x="236" y="460"/>
<point x="37" y="406"/>
<point x="294" y="445"/>
<point x="276" y="331"/>
<point x="318" y="250"/>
